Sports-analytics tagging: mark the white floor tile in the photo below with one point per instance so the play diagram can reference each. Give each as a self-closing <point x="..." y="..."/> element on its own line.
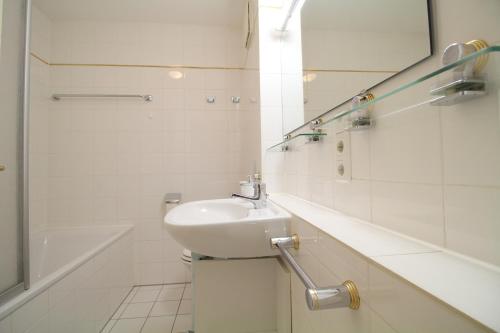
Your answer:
<point x="137" y="310"/>
<point x="183" y="323"/>
<point x="145" y="296"/>
<point x="128" y="325"/>
<point x="171" y="294"/>
<point x="108" y="326"/>
<point x="173" y="286"/>
<point x="158" y="324"/>
<point x="131" y="295"/>
<point x="119" y="312"/>
<point x="187" y="292"/>
<point x="152" y="287"/>
<point x="185" y="307"/>
<point x="165" y="308"/>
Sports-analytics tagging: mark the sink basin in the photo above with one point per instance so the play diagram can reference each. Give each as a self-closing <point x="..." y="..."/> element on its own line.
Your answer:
<point x="227" y="228"/>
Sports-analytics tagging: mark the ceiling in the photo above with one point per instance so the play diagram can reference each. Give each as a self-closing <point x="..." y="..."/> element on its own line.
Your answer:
<point x="203" y="12"/>
<point x="366" y="15"/>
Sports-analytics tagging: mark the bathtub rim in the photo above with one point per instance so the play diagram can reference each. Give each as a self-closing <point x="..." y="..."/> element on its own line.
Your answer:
<point x="38" y="288"/>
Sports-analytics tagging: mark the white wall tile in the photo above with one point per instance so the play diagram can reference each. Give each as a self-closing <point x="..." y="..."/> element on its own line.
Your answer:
<point x="353" y="198"/>
<point x="31" y="313"/>
<point x="6" y="325"/>
<point x="407" y="309"/>
<point x="471" y="215"/>
<point x="471" y="136"/>
<point x="412" y="209"/>
<point x="401" y="151"/>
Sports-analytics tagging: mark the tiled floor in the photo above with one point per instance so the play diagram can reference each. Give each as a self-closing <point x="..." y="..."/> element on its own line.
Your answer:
<point x="153" y="309"/>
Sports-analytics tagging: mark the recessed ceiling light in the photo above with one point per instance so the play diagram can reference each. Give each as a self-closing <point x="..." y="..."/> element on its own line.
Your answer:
<point x="176" y="75"/>
<point x="308" y="77"/>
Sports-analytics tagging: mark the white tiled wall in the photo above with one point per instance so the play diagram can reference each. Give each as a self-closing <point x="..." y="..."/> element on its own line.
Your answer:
<point x="82" y="301"/>
<point x="430" y="172"/>
<point x="388" y="303"/>
<point x="112" y="161"/>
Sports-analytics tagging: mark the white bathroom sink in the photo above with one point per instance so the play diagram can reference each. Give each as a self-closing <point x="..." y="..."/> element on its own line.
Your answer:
<point x="227" y="228"/>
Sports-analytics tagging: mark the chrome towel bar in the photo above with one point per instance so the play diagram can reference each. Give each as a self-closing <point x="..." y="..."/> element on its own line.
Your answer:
<point x="317" y="298"/>
<point x="146" y="98"/>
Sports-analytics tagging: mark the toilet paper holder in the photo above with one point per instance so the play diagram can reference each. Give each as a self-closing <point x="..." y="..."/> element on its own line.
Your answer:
<point x="173" y="198"/>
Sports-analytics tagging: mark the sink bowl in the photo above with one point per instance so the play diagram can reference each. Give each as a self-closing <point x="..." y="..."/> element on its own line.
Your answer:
<point x="227" y="228"/>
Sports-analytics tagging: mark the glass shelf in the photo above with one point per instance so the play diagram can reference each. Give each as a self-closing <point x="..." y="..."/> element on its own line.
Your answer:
<point x="310" y="137"/>
<point x="413" y="97"/>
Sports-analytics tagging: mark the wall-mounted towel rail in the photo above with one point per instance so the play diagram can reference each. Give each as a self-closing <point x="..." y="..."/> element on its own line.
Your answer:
<point x="342" y="296"/>
<point x="146" y="98"/>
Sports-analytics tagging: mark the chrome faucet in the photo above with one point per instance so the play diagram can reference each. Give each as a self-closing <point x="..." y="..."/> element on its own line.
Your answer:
<point x="259" y="198"/>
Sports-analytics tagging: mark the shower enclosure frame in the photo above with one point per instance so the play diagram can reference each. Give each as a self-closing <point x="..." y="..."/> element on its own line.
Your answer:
<point x="23" y="153"/>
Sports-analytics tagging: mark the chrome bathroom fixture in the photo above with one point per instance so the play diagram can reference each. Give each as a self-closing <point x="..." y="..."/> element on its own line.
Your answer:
<point x="315" y="126"/>
<point x="210" y="99"/>
<point x="317" y="298"/>
<point x="360" y="118"/>
<point x="466" y="81"/>
<point x="173" y="198"/>
<point x="146" y="98"/>
<point x="235" y="99"/>
<point x="259" y="198"/>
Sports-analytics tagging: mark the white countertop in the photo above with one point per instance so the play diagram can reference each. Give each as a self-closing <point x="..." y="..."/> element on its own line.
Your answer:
<point x="469" y="286"/>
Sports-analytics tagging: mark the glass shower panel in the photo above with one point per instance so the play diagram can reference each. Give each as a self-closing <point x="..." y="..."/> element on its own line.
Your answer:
<point x="12" y="43"/>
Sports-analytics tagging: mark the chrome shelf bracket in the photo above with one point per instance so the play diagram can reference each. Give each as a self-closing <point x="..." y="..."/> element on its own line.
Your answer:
<point x="345" y="295"/>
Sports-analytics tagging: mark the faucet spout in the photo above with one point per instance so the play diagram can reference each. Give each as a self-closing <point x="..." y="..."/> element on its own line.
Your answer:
<point x="258" y="199"/>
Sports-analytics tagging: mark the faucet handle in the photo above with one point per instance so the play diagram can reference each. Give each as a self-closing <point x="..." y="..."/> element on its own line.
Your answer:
<point x="257" y="178"/>
<point x="263" y="192"/>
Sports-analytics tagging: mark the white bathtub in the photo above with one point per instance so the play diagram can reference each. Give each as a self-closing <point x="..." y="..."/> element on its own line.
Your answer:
<point x="78" y="277"/>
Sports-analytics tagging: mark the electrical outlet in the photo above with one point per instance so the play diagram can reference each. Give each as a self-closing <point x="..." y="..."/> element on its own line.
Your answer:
<point x="343" y="156"/>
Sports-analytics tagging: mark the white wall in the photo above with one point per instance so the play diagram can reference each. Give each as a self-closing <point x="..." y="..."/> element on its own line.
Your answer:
<point x="388" y="303"/>
<point x="112" y="161"/>
<point x="430" y="173"/>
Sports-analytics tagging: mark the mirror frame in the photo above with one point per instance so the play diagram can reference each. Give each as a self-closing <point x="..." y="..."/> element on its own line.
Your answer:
<point x="431" y="49"/>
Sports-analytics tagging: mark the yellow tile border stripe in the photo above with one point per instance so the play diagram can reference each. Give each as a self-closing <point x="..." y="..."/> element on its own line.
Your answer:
<point x="350" y="71"/>
<point x="34" y="55"/>
<point x="39" y="58"/>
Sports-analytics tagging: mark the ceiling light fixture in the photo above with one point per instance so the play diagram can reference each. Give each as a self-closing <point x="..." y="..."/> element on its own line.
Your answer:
<point x="308" y="77"/>
<point x="176" y="75"/>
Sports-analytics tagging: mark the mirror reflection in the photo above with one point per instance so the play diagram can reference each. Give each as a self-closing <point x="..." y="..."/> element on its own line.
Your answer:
<point x="349" y="46"/>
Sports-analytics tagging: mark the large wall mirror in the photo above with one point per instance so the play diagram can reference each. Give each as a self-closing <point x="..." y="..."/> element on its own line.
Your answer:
<point x="349" y="46"/>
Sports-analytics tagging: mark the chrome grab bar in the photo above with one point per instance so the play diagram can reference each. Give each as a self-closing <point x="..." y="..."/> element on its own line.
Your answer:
<point x="317" y="298"/>
<point x="57" y="97"/>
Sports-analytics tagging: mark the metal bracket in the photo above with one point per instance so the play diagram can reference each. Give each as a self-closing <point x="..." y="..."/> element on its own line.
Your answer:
<point x="288" y="242"/>
<point x="466" y="82"/>
<point x="173" y="198"/>
<point x="361" y="118"/>
<point x="317" y="298"/>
